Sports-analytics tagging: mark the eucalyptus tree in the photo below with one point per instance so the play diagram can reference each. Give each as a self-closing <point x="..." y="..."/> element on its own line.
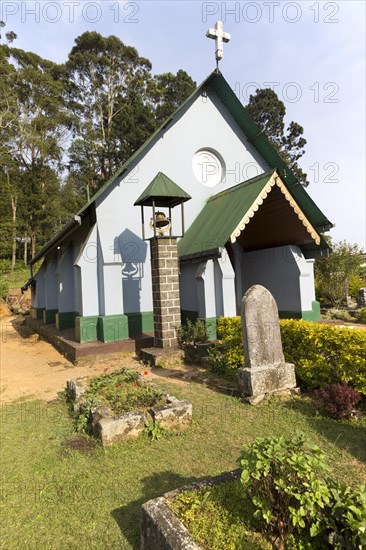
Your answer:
<point x="35" y="144"/>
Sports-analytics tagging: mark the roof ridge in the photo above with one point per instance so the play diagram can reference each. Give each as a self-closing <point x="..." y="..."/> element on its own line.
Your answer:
<point x="242" y="184"/>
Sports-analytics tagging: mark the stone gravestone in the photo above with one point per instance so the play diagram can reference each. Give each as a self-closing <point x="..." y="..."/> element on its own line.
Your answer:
<point x="265" y="371"/>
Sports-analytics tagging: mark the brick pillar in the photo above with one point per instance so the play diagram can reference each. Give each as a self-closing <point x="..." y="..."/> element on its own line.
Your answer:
<point x="165" y="285"/>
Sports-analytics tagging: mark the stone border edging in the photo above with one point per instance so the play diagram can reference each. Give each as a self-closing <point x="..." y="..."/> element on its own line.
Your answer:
<point x="160" y="527"/>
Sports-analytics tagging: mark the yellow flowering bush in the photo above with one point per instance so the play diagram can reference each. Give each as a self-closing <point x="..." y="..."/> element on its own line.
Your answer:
<point x="322" y="354"/>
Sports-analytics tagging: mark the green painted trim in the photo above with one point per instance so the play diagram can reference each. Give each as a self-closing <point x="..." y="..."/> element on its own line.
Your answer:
<point x="312" y="315"/>
<point x="65" y="319"/>
<point x="86" y="328"/>
<point x="112" y="328"/>
<point x="140" y="322"/>
<point x="210" y="323"/>
<point x="187" y="315"/>
<point x="36" y="313"/>
<point x="49" y="316"/>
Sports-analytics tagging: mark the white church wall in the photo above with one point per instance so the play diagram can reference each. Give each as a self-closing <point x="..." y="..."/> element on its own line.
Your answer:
<point x="307" y="286"/>
<point x="38" y="294"/>
<point x="226" y="281"/>
<point x="206" y="124"/>
<point x="87" y="268"/>
<point x="278" y="269"/>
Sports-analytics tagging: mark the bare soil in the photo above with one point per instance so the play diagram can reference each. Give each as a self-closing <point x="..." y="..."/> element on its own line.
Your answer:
<point x="31" y="368"/>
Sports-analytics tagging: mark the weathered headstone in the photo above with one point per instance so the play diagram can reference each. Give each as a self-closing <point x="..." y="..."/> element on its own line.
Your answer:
<point x="265" y="371"/>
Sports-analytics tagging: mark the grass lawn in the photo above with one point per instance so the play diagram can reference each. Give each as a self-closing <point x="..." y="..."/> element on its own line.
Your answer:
<point x="54" y="497"/>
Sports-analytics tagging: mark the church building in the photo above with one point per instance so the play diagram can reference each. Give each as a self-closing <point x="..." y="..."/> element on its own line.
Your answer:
<point x="247" y="221"/>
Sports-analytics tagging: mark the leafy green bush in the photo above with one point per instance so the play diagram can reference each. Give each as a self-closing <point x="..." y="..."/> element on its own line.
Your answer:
<point x="4" y="288"/>
<point x="322" y="354"/>
<point x="296" y="502"/>
<point x="341" y="314"/>
<point x="361" y="315"/>
<point x="191" y="333"/>
<point x="355" y="283"/>
<point x="5" y="266"/>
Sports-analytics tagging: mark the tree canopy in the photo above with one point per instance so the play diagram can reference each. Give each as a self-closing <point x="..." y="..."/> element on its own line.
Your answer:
<point x="268" y="111"/>
<point x="65" y="128"/>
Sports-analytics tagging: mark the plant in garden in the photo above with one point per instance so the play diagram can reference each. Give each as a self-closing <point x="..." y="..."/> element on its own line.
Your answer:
<point x="346" y="517"/>
<point x="296" y="502"/>
<point x="341" y="314"/>
<point x="190" y="334"/>
<point x="121" y="391"/>
<point x="339" y="400"/>
<point x="361" y="315"/>
<point x="154" y="430"/>
<point x="284" y="479"/>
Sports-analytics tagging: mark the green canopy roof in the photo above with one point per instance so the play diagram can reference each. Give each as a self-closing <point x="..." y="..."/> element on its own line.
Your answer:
<point x="164" y="192"/>
<point x="226" y="214"/>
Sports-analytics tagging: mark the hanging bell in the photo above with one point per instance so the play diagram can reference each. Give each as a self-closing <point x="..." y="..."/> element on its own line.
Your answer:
<point x="162" y="223"/>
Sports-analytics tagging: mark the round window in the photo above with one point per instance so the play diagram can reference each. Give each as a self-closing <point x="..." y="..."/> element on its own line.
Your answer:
<point x="208" y="167"/>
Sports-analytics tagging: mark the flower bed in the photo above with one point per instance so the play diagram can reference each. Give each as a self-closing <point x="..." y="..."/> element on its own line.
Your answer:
<point x="117" y="406"/>
<point x="283" y="497"/>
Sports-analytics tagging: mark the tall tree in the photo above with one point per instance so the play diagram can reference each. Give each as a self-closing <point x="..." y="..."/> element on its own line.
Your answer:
<point x="268" y="111"/>
<point x="118" y="104"/>
<point x="333" y="274"/>
<point x="35" y="145"/>
<point x="169" y="91"/>
<point x="106" y="85"/>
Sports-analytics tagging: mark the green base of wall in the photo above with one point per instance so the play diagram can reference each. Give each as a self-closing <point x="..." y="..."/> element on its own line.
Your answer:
<point x="312" y="315"/>
<point x="36" y="313"/>
<point x="86" y="328"/>
<point x="112" y="328"/>
<point x="49" y="316"/>
<point x="65" y="319"/>
<point x="138" y="323"/>
<point x="187" y="315"/>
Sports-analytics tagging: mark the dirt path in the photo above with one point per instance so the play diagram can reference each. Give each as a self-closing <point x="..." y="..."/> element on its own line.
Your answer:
<point x="31" y="368"/>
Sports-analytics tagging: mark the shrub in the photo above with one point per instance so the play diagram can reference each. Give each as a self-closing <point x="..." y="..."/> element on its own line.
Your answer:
<point x="192" y="333"/>
<point x="355" y="283"/>
<point x="295" y="499"/>
<point x="284" y="478"/>
<point x="361" y="315"/>
<point x="5" y="266"/>
<point x="4" y="288"/>
<point x="341" y="314"/>
<point x="338" y="400"/>
<point x="324" y="354"/>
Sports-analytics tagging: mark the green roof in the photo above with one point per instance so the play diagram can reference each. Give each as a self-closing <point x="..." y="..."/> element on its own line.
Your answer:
<point x="221" y="214"/>
<point x="164" y="192"/>
<point x="226" y="214"/>
<point x="217" y="82"/>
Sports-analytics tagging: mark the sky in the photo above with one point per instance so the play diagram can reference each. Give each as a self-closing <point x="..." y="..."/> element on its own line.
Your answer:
<point x="311" y="53"/>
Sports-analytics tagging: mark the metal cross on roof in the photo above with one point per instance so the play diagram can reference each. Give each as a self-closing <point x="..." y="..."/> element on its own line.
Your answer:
<point x="220" y="36"/>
